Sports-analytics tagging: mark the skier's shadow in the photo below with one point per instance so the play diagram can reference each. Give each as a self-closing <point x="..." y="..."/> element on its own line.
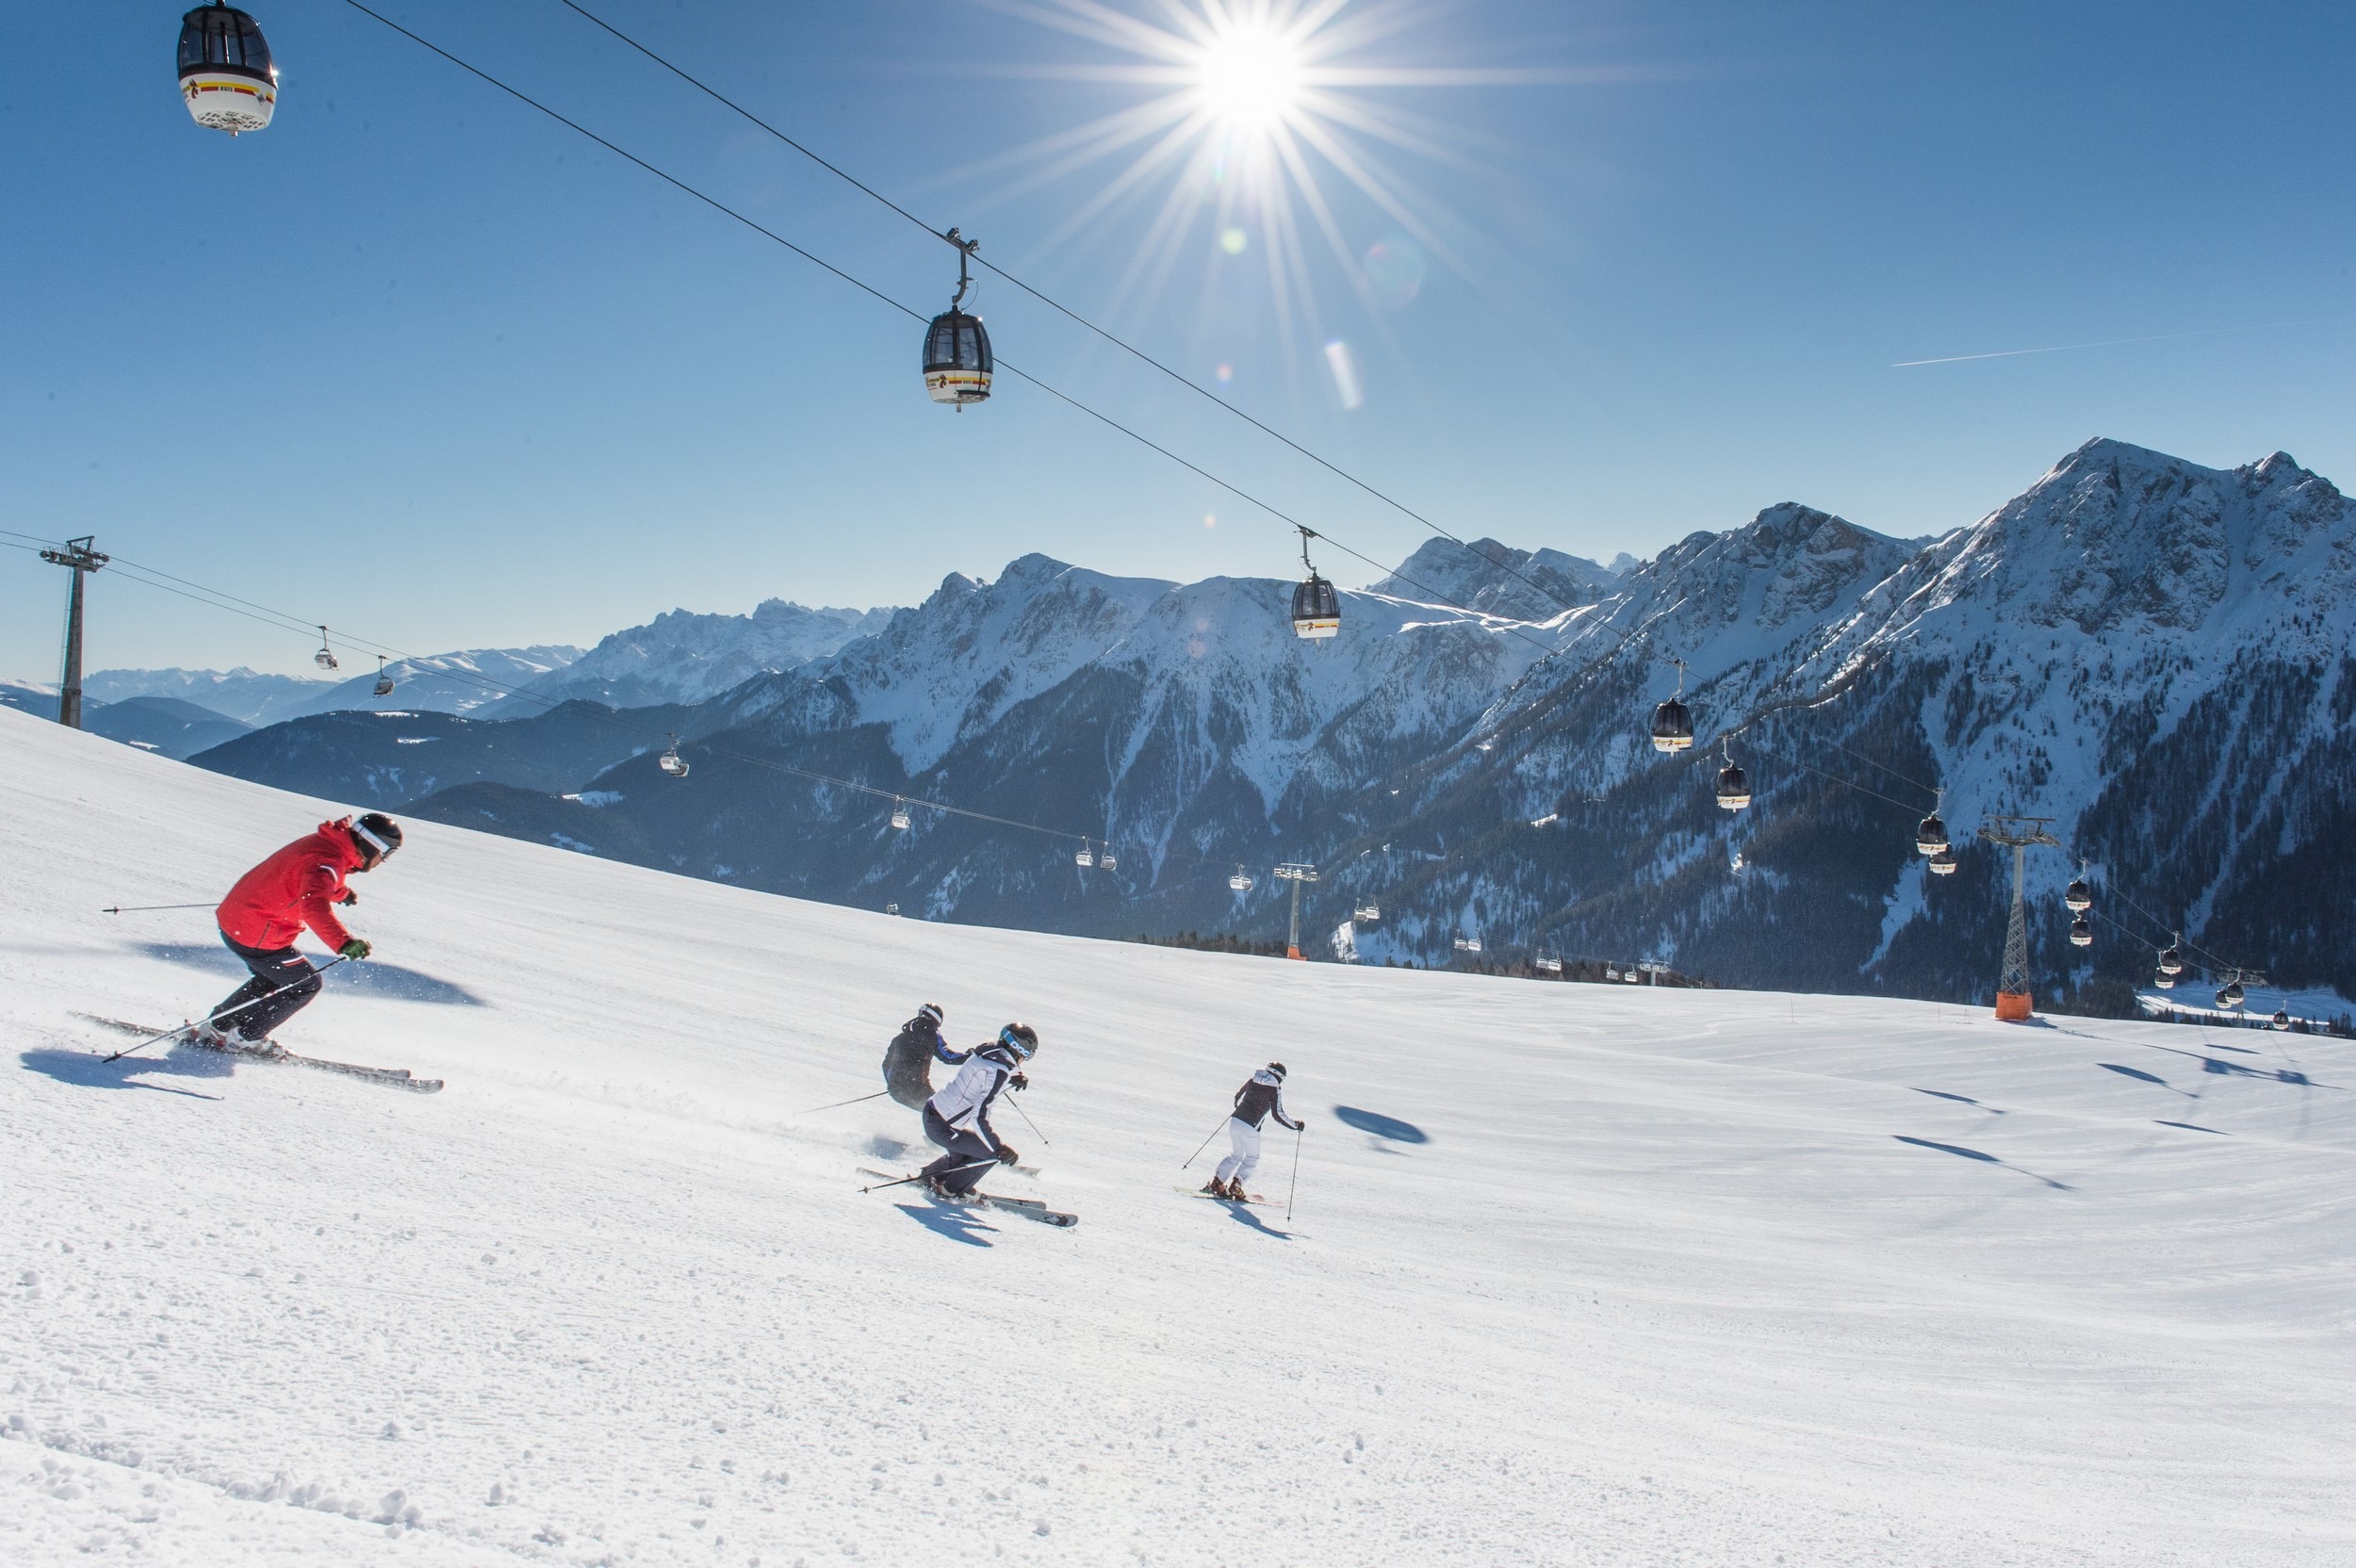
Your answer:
<point x="88" y="1070"/>
<point x="1242" y="1214"/>
<point x="953" y="1223"/>
<point x="372" y="977"/>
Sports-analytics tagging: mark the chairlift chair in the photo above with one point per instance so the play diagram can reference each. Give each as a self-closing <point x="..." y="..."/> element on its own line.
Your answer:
<point x="1672" y="721"/>
<point x="325" y="658"/>
<point x="226" y="76"/>
<point x="671" y="762"/>
<point x="957" y="361"/>
<point x="1316" y="606"/>
<point x="384" y="681"/>
<point x="1367" y="914"/>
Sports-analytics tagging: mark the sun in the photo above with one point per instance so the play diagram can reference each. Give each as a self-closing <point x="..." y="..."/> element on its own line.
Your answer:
<point x="1250" y="77"/>
<point x="1264" y="136"/>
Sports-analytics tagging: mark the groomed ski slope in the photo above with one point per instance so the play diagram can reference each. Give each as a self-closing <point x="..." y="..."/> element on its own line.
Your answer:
<point x="1671" y="1277"/>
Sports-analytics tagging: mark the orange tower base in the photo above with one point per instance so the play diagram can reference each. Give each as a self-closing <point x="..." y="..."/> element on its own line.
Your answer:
<point x="2012" y="1006"/>
<point x="1294" y="953"/>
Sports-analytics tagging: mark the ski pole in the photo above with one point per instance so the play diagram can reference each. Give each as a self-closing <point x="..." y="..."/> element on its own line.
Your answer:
<point x="920" y="1175"/>
<point x="1296" y="1182"/>
<point x="216" y="1018"/>
<point x="144" y="908"/>
<point x="1028" y="1122"/>
<point x="839" y="1103"/>
<point x="1206" y="1142"/>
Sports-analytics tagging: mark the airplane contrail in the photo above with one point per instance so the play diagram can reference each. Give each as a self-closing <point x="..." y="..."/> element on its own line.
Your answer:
<point x="2106" y="343"/>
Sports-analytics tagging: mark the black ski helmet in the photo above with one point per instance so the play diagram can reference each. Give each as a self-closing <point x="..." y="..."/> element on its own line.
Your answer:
<point x="931" y="1011"/>
<point x="1020" y="1039"/>
<point x="379" y="836"/>
<point x="1278" y="1069"/>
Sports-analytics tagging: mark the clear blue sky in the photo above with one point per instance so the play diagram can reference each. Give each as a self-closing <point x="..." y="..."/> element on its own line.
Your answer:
<point x="422" y="363"/>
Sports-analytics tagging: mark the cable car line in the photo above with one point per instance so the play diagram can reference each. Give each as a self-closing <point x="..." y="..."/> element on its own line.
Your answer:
<point x="915" y="315"/>
<point x="1052" y="304"/>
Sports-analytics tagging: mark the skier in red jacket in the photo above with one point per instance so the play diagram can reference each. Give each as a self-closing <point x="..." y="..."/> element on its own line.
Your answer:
<point x="269" y="908"/>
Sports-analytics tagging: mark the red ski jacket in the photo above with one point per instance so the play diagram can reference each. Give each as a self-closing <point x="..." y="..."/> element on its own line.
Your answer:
<point x="295" y="888"/>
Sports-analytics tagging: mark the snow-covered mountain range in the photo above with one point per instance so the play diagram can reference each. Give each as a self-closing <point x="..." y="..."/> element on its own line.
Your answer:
<point x="685" y="656"/>
<point x="2151" y="652"/>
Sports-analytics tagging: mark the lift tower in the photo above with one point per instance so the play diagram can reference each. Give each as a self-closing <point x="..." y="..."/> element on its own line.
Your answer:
<point x="81" y="560"/>
<point x="1296" y="874"/>
<point x="2017" y="834"/>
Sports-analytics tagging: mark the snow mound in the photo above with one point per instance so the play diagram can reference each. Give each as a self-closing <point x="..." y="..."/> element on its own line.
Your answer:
<point x="1615" y="1277"/>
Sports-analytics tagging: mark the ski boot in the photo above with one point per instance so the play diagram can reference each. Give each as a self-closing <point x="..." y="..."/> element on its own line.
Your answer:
<point x="206" y="1035"/>
<point x="1214" y="1187"/>
<point x="1234" y="1193"/>
<point x="942" y="1191"/>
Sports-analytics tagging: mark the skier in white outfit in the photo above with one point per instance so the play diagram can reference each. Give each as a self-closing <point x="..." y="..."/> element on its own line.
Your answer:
<point x="957" y="1119"/>
<point x="1258" y="1100"/>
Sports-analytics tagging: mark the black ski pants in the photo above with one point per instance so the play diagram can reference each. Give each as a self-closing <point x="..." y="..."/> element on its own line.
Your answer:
<point x="274" y="968"/>
<point x="965" y="1148"/>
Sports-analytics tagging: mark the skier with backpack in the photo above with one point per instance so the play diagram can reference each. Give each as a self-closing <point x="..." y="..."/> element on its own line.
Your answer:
<point x="1258" y="1100"/>
<point x="957" y="1119"/>
<point x="270" y="906"/>
<point x="907" y="1061"/>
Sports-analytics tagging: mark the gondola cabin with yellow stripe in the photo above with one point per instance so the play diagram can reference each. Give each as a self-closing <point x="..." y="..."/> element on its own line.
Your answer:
<point x="226" y="75"/>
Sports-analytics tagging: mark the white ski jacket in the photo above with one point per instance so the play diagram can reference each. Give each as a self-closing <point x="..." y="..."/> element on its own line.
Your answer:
<point x="967" y="1099"/>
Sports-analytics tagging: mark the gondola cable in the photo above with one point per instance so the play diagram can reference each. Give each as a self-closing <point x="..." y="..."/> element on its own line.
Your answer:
<point x="1049" y="300"/>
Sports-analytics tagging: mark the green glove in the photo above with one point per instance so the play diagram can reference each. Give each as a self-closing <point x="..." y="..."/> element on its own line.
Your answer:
<point x="356" y="948"/>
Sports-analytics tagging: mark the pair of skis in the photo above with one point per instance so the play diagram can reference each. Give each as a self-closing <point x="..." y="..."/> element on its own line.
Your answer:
<point x="391" y="1077"/>
<point x="1029" y="1208"/>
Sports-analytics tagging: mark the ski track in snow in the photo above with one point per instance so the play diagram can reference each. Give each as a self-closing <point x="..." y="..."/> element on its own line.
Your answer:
<point x="1677" y="1277"/>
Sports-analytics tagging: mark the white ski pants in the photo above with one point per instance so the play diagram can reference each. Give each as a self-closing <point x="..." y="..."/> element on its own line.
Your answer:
<point x="1239" y="1165"/>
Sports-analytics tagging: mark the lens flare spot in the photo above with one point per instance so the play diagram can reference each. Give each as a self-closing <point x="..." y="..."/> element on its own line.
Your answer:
<point x="1225" y="374"/>
<point x="1233" y="241"/>
<point x="1395" y="271"/>
<point x="1344" y="365"/>
<point x="1210" y="519"/>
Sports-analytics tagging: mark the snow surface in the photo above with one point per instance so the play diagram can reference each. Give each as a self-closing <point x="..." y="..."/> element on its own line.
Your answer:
<point x="1613" y="1275"/>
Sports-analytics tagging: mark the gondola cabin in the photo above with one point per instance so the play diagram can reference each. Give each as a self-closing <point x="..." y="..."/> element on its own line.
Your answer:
<point x="226" y="76"/>
<point x="1317" y="609"/>
<point x="957" y="362"/>
<point x="1672" y="727"/>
